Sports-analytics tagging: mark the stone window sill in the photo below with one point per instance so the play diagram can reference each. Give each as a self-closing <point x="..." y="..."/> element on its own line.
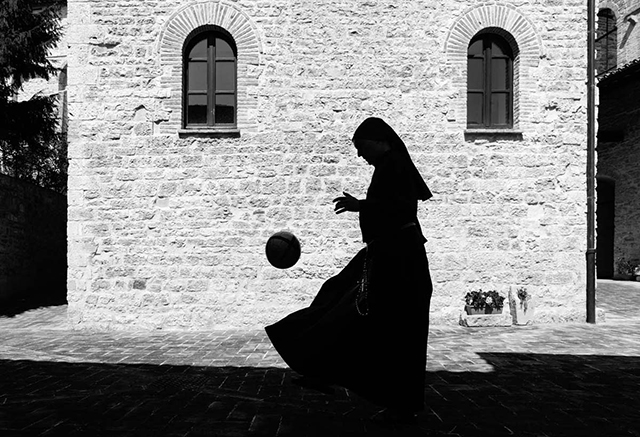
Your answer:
<point x="479" y="133"/>
<point x="209" y="133"/>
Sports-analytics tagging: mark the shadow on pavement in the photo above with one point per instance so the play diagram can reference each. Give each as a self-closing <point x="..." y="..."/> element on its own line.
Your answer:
<point x="540" y="395"/>
<point x="524" y="395"/>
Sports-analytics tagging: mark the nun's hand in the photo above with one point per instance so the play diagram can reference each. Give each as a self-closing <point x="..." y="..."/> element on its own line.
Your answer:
<point x="346" y="203"/>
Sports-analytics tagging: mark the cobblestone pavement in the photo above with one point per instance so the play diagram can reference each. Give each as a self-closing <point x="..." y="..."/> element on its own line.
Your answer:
<point x="541" y="380"/>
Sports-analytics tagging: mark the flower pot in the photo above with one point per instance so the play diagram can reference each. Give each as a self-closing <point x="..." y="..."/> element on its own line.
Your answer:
<point x="486" y="310"/>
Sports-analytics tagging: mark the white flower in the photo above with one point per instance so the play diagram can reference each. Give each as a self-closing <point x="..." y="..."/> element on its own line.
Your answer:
<point x="489" y="300"/>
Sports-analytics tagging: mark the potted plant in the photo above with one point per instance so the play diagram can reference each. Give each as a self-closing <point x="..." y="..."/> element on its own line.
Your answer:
<point x="483" y="302"/>
<point x="522" y="309"/>
<point x="627" y="270"/>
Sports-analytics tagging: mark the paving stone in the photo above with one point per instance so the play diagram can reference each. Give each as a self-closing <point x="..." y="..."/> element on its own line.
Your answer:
<point x="534" y="380"/>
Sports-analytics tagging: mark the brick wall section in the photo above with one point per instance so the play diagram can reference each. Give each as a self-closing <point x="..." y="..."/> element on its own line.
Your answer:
<point x="169" y="232"/>
<point x="33" y="246"/>
<point x="618" y="115"/>
<point x="628" y="32"/>
<point x="631" y="32"/>
<point x="620" y="112"/>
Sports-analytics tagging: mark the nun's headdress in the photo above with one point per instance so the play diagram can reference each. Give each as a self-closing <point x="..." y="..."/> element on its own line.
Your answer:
<point x="376" y="129"/>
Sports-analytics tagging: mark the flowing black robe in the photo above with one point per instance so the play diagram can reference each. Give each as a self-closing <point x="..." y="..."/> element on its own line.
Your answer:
<point x="381" y="355"/>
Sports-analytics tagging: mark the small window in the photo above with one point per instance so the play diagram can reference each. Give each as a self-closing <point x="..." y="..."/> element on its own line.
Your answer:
<point x="210" y="97"/>
<point x="63" y="110"/>
<point x="606" y="42"/>
<point x="489" y="83"/>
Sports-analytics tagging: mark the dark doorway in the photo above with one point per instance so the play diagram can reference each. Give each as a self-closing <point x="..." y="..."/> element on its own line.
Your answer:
<point x="605" y="217"/>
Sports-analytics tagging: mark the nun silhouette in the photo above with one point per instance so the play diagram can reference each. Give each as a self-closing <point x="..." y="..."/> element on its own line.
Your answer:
<point x="367" y="327"/>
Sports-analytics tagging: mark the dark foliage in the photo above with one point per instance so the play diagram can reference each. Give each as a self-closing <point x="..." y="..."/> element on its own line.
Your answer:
<point x="31" y="145"/>
<point x="481" y="299"/>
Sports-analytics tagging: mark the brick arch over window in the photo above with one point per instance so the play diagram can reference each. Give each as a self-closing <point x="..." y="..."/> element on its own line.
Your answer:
<point x="175" y="32"/>
<point x="521" y="34"/>
<point x="618" y="7"/>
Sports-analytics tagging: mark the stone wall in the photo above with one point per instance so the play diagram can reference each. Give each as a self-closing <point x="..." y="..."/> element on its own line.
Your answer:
<point x="33" y="243"/>
<point x="168" y="231"/>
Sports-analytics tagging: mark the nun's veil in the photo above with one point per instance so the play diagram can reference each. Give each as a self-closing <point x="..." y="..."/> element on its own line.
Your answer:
<point x="376" y="129"/>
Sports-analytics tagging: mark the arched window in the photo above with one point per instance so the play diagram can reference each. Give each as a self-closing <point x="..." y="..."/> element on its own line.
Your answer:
<point x="210" y="95"/>
<point x="489" y="82"/>
<point x="606" y="41"/>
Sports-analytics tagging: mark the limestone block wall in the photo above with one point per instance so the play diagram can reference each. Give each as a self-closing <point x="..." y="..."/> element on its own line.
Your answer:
<point x="32" y="243"/>
<point x="168" y="230"/>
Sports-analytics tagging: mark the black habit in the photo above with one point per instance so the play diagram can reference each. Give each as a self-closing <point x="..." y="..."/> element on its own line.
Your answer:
<point x="367" y="328"/>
